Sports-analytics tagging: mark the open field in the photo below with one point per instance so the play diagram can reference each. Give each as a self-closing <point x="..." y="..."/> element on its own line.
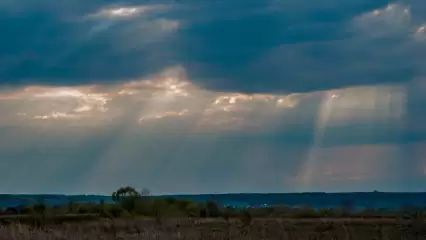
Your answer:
<point x="79" y="217"/>
<point x="135" y="215"/>
<point x="203" y="229"/>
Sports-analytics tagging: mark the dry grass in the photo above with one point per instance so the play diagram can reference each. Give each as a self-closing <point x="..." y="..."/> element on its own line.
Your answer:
<point x="218" y="229"/>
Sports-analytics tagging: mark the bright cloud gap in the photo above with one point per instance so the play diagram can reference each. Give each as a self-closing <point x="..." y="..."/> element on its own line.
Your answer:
<point x="126" y="11"/>
<point x="171" y="95"/>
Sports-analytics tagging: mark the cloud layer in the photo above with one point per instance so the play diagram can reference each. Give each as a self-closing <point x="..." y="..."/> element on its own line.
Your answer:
<point x="268" y="46"/>
<point x="93" y="138"/>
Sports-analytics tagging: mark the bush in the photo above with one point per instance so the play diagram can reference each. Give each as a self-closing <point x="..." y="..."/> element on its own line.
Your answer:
<point x="246" y="218"/>
<point x="129" y="203"/>
<point x="117" y="211"/>
<point x="83" y="209"/>
<point x="212" y="209"/>
<point x="184" y="203"/>
<point x="40" y="209"/>
<point x="28" y="210"/>
<point x="326" y="213"/>
<point x="170" y="200"/>
<point x="193" y="210"/>
<point x="203" y="212"/>
<point x="227" y="213"/>
<point x="281" y="211"/>
<point x="158" y="207"/>
<point x="306" y="212"/>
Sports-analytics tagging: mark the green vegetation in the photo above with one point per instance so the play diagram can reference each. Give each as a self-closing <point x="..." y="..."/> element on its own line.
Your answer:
<point x="160" y="214"/>
<point x="129" y="203"/>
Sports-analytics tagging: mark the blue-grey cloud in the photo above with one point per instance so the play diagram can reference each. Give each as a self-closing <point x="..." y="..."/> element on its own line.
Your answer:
<point x="269" y="46"/>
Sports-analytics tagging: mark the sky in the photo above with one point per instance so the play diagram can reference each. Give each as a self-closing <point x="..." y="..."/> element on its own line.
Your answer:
<point x="218" y="96"/>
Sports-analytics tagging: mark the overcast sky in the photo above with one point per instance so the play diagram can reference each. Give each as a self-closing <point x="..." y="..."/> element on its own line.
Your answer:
<point x="185" y="96"/>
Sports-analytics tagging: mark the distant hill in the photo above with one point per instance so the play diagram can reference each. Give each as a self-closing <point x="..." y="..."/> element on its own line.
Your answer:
<point x="316" y="200"/>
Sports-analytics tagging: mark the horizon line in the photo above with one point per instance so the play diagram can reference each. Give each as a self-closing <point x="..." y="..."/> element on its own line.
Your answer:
<point x="229" y="193"/>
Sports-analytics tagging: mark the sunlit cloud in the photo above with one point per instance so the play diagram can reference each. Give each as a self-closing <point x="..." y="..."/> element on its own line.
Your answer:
<point x="385" y="20"/>
<point x="58" y="102"/>
<point x="86" y="101"/>
<point x="135" y="21"/>
<point x="164" y="115"/>
<point x="393" y="19"/>
<point x="56" y="115"/>
<point x="168" y="94"/>
<point x="125" y="11"/>
<point x="421" y="29"/>
<point x="420" y="33"/>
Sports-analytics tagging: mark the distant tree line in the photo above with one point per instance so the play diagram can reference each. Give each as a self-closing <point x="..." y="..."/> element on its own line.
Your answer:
<point x="130" y="203"/>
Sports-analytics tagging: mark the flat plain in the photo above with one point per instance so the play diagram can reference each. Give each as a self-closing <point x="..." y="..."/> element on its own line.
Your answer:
<point x="220" y="229"/>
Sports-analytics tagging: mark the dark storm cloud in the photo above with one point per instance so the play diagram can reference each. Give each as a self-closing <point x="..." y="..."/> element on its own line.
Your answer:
<point x="250" y="46"/>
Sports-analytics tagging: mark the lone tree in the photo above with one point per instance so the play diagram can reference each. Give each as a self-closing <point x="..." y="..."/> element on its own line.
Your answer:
<point x="126" y="197"/>
<point x="125" y="192"/>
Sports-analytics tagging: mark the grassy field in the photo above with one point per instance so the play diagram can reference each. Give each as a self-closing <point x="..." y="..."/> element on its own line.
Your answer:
<point x="135" y="215"/>
<point x="203" y="229"/>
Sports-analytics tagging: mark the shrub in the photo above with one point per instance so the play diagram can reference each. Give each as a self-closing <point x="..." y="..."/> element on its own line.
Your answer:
<point x="28" y="210"/>
<point x="212" y="209"/>
<point x="183" y="204"/>
<point x="306" y="212"/>
<point x="170" y="200"/>
<point x="227" y="213"/>
<point x="246" y="218"/>
<point x="129" y="203"/>
<point x="40" y="208"/>
<point x="326" y="212"/>
<point x="117" y="211"/>
<point x="158" y="207"/>
<point x="143" y="207"/>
